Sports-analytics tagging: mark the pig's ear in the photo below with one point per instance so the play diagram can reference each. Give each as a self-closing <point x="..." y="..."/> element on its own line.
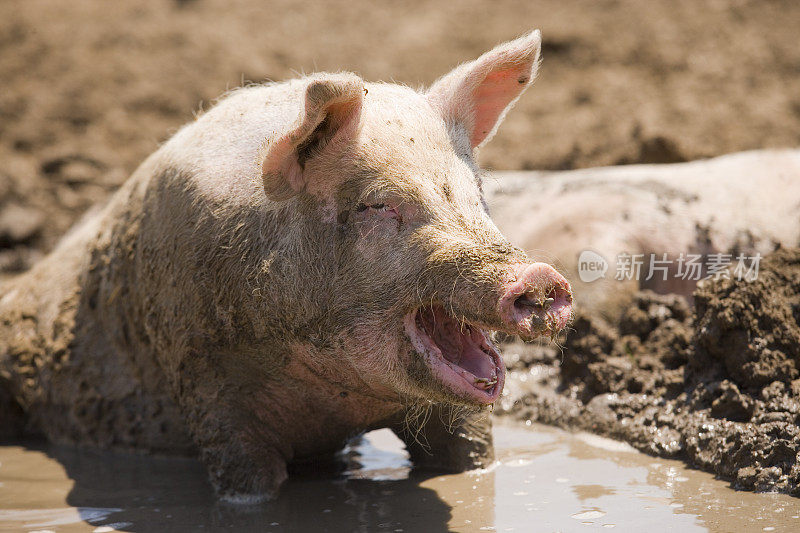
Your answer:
<point x="478" y="94"/>
<point x="329" y="118"/>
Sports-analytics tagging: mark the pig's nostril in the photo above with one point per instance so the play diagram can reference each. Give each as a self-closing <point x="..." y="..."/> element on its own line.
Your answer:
<point x="537" y="302"/>
<point x="527" y="301"/>
<point x="535" y="305"/>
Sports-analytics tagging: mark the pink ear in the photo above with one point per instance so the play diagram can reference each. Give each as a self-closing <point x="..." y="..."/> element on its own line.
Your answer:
<point x="331" y="115"/>
<point x="478" y="94"/>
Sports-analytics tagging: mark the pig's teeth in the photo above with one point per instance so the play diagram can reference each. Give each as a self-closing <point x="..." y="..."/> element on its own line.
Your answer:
<point x="548" y="302"/>
<point x="486" y="383"/>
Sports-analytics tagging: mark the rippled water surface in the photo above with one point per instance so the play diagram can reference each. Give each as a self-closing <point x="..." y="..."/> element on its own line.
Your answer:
<point x="545" y="480"/>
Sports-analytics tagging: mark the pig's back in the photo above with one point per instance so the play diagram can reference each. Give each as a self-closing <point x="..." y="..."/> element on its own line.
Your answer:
<point x="222" y="150"/>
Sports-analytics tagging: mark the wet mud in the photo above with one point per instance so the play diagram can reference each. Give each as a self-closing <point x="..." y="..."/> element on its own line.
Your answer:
<point x="716" y="384"/>
<point x="545" y="479"/>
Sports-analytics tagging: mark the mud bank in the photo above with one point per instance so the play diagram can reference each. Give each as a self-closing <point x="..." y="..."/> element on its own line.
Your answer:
<point x="716" y="385"/>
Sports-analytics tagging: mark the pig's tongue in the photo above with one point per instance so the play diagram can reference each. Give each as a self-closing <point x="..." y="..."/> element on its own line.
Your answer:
<point x="459" y="343"/>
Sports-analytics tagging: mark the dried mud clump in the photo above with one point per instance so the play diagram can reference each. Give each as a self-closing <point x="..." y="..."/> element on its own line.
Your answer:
<point x="718" y="387"/>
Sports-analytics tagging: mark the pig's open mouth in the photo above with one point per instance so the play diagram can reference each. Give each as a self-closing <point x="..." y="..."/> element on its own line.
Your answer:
<point x="458" y="354"/>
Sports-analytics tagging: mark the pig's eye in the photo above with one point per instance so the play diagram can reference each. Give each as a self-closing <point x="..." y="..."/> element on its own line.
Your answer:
<point x="360" y="208"/>
<point x="379" y="209"/>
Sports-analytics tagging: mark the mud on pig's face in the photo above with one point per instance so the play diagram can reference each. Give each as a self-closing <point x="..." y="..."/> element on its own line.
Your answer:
<point x="418" y="276"/>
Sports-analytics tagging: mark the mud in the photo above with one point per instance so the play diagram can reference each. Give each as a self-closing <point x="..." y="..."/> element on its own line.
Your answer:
<point x="543" y="476"/>
<point x="716" y="385"/>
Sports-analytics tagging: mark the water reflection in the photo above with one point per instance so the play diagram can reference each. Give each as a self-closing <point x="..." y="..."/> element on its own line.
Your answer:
<point x="545" y="480"/>
<point x="377" y="491"/>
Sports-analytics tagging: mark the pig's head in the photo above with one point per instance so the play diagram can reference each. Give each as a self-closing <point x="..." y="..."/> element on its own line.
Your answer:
<point x="410" y="273"/>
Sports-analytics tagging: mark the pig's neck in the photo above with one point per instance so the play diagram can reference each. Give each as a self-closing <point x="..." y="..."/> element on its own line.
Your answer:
<point x="315" y="411"/>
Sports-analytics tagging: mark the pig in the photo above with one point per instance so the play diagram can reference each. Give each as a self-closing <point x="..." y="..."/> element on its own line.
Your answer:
<point x="738" y="204"/>
<point x="306" y="261"/>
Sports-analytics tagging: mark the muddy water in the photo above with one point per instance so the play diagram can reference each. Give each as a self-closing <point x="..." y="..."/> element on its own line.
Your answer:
<point x="545" y="480"/>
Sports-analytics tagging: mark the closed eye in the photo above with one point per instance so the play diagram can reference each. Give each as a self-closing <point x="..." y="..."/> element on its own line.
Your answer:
<point x="360" y="208"/>
<point x="379" y="209"/>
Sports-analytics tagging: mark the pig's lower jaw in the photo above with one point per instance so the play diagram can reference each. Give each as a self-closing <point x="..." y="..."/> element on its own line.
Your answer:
<point x="459" y="355"/>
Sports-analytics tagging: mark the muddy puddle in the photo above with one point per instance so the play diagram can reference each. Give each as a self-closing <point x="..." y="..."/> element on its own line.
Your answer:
<point x="545" y="479"/>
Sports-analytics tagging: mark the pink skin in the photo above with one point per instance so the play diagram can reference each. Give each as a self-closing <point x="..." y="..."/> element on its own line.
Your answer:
<point x="462" y="357"/>
<point x="479" y="355"/>
<point x="534" y="283"/>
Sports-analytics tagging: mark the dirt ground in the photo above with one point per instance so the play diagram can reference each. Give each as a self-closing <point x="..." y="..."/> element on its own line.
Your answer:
<point x="87" y="89"/>
<point x="717" y="387"/>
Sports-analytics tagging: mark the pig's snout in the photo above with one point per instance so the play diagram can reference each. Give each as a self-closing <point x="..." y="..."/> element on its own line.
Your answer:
<point x="537" y="301"/>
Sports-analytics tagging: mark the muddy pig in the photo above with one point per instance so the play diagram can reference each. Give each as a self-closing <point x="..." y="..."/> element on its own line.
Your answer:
<point x="306" y="261"/>
<point x="735" y="205"/>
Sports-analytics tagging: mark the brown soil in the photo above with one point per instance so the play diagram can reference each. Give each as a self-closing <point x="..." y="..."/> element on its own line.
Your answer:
<point x="717" y="386"/>
<point x="88" y="89"/>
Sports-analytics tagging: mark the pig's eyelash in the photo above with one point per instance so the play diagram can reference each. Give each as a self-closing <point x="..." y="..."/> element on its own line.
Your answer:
<point x="360" y="208"/>
<point x="380" y="210"/>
